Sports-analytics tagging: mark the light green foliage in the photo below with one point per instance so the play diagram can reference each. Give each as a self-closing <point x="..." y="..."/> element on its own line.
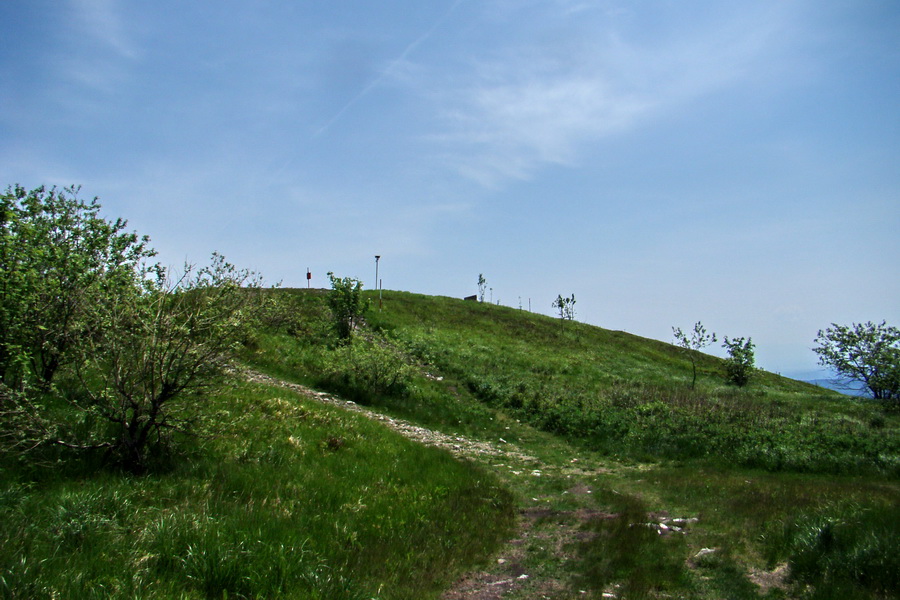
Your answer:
<point x="59" y="261"/>
<point x="739" y="366"/>
<point x="693" y="344"/>
<point x="868" y="353"/>
<point x="98" y="347"/>
<point x="367" y="369"/>
<point x="346" y="304"/>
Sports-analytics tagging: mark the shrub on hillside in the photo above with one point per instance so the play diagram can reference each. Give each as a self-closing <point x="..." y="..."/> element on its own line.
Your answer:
<point x="97" y="347"/>
<point x="739" y="366"/>
<point x="347" y="305"/>
<point x="367" y="368"/>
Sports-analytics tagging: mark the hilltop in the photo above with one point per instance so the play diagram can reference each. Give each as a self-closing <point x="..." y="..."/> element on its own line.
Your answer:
<point x="618" y="438"/>
<point x="464" y="451"/>
<point x="607" y="391"/>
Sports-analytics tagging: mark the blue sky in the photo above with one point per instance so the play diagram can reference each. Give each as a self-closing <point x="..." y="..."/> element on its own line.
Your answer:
<point x="736" y="163"/>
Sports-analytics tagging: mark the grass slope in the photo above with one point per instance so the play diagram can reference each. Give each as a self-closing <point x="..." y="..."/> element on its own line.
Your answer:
<point x="629" y="396"/>
<point x="777" y="473"/>
<point x="279" y="498"/>
<point x="282" y="498"/>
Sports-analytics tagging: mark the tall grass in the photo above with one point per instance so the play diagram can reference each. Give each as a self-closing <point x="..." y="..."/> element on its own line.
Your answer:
<point x="840" y="550"/>
<point x="279" y="499"/>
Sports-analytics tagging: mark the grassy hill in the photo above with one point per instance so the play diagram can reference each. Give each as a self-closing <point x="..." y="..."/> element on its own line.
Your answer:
<point x="624" y="480"/>
<point x="607" y="391"/>
<point x="763" y="467"/>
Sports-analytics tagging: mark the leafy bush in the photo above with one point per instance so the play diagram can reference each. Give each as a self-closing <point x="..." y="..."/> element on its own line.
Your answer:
<point x="367" y="368"/>
<point x="59" y="262"/>
<point x="739" y="365"/>
<point x="346" y="304"/>
<point x="96" y="345"/>
<point x="301" y="316"/>
<point x="172" y="342"/>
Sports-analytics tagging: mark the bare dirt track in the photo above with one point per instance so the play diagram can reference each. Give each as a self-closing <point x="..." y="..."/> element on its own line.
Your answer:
<point x="508" y="575"/>
<point x="536" y="562"/>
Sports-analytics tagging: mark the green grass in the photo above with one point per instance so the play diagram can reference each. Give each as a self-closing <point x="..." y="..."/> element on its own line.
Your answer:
<point x="630" y="397"/>
<point x="841" y="547"/>
<point x="281" y="497"/>
<point x="284" y="499"/>
<point x="739" y="460"/>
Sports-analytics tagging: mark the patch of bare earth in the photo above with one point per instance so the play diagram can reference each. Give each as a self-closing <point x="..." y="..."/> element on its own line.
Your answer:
<point x="552" y="531"/>
<point x="767" y="580"/>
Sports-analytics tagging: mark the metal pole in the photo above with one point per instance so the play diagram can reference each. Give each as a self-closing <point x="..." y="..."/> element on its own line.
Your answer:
<point x="377" y="258"/>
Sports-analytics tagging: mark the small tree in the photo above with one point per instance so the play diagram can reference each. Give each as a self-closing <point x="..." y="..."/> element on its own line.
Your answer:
<point x="346" y="304"/>
<point x="565" y="306"/>
<point x="482" y="287"/>
<point x="692" y="345"/>
<point x="158" y="351"/>
<point x="98" y="350"/>
<point x="59" y="261"/>
<point x="739" y="366"/>
<point x="867" y="353"/>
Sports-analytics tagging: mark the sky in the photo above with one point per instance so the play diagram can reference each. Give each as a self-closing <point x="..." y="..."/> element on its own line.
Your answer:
<point x="667" y="162"/>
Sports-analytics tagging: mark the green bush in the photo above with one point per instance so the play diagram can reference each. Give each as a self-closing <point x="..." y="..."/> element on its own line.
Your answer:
<point x="739" y="365"/>
<point x="347" y="305"/>
<point x="367" y="369"/>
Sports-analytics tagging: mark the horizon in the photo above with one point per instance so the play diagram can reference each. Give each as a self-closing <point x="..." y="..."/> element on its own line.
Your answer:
<point x="665" y="163"/>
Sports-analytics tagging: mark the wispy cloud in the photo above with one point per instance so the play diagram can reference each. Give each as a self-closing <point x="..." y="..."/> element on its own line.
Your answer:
<point x="533" y="104"/>
<point x="505" y="130"/>
<point x="101" y="20"/>
<point x="98" y="49"/>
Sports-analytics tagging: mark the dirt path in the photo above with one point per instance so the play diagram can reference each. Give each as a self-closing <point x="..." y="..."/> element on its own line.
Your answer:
<point x="457" y="445"/>
<point x="555" y="505"/>
<point x="533" y="563"/>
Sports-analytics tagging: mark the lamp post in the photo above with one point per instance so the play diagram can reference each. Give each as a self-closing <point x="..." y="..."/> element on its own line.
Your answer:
<point x="377" y="287"/>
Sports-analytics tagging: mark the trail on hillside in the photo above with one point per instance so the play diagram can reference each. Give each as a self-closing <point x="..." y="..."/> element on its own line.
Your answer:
<point x="457" y="445"/>
<point x="538" y="527"/>
<point x="538" y="561"/>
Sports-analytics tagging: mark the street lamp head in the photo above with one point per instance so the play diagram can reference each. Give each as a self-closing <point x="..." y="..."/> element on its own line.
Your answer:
<point x="377" y="257"/>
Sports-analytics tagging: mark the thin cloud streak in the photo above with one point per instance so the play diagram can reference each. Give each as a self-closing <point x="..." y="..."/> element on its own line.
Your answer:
<point x="389" y="71"/>
<point x="101" y="21"/>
